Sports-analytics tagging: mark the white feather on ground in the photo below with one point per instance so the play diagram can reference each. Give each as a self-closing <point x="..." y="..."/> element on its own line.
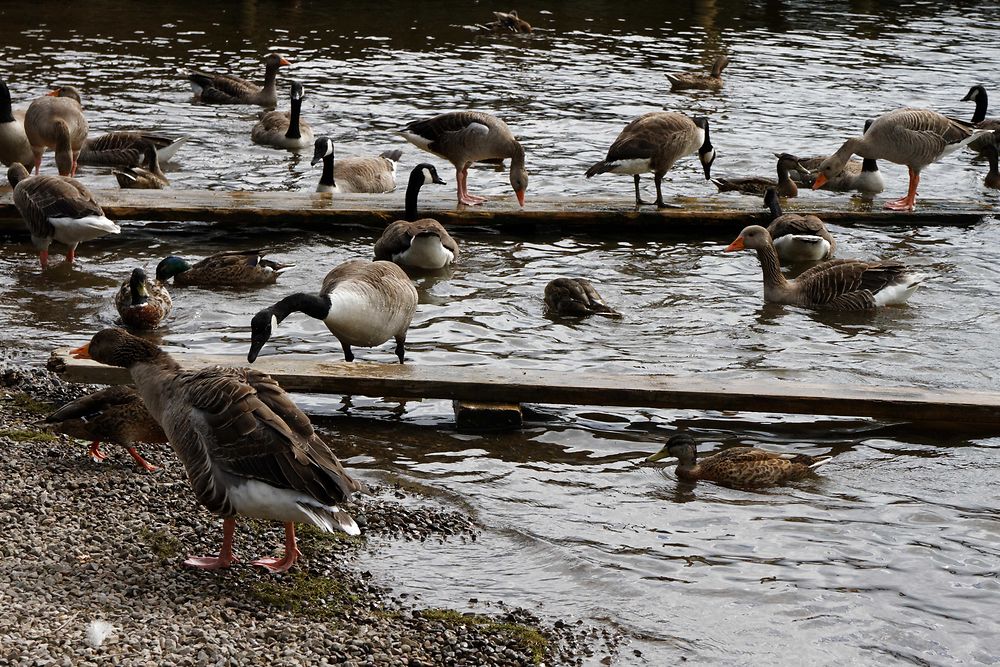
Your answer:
<point x="98" y="631"/>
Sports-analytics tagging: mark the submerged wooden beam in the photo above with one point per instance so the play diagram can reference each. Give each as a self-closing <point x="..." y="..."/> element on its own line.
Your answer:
<point x="307" y="373"/>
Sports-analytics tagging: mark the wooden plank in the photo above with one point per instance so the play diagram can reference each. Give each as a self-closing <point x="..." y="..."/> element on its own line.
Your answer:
<point x="308" y="373"/>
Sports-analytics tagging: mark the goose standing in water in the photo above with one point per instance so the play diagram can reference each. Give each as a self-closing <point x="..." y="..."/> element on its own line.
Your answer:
<point x="142" y="304"/>
<point x="56" y="121"/>
<point x="355" y="174"/>
<point x="138" y="178"/>
<point x="575" y="297"/>
<point x="797" y="238"/>
<point x="690" y="80"/>
<point x="418" y="243"/>
<point x="756" y="185"/>
<point x="14" y="144"/>
<point x="978" y="95"/>
<point x="362" y="303"/>
<point x="228" y="89"/>
<point x="284" y="129"/>
<point x="653" y="142"/>
<point x="246" y="447"/>
<point x="464" y="137"/>
<point x="127" y="148"/>
<point x="234" y="268"/>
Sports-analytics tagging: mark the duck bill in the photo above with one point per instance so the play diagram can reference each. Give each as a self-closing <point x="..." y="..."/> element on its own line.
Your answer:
<point x="520" y="197"/>
<point x="735" y="245"/>
<point x="659" y="456"/>
<point x="819" y="182"/>
<point x="82" y="352"/>
<point x="54" y="92"/>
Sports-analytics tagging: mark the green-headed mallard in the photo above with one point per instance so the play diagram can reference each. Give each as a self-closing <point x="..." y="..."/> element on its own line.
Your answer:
<point x="235" y="268"/>
<point x="142" y="304"/>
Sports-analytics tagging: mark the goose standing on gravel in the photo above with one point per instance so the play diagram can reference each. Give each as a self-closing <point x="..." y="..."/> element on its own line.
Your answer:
<point x="14" y="145"/>
<point x="142" y="304"/>
<point x="234" y="268"/>
<point x="797" y="238"/>
<point x="653" y="142"/>
<point x="757" y="185"/>
<point x="228" y="89"/>
<point x="138" y="178"/>
<point x="355" y="174"/>
<point x="284" y="129"/>
<point x="464" y="137"/>
<point x="56" y="121"/>
<point x="127" y="148"/>
<point x="56" y="208"/>
<point x="246" y="447"/>
<point x="362" y="303"/>
<point x="978" y="95"/>
<point x="907" y="136"/>
<point x="575" y="297"/>
<point x="838" y="284"/>
<point x="418" y="243"/>
<point x="690" y="80"/>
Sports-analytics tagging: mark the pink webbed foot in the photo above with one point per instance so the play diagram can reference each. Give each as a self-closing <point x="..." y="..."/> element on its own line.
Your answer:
<point x="904" y="204"/>
<point x="43" y="259"/>
<point x="210" y="562"/>
<point x="471" y="200"/>
<point x="291" y="553"/>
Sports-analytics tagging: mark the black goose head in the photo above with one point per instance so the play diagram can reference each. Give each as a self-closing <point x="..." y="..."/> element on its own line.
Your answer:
<point x="707" y="151"/>
<point x="321" y="149"/>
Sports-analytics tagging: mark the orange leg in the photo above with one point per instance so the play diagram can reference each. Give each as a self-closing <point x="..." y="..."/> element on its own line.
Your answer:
<point x="43" y="259"/>
<point x="149" y="467"/>
<point x="909" y="202"/>
<point x="462" y="177"/>
<point x="71" y="255"/>
<point x="291" y="553"/>
<point x="96" y="453"/>
<point x="225" y="557"/>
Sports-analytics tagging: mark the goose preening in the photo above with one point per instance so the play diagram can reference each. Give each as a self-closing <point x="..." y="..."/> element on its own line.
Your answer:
<point x="575" y="297"/>
<point x="142" y="304"/>
<point x="56" y="121"/>
<point x="14" y="144"/>
<point x="115" y="414"/>
<point x="506" y="22"/>
<point x="233" y="268"/>
<point x="907" y="136"/>
<point x="978" y="95"/>
<point x="56" y="208"/>
<point x="127" y="148"/>
<point x="418" y="243"/>
<point x="464" y="137"/>
<point x="758" y="185"/>
<point x="228" y="89"/>
<point x="861" y="175"/>
<point x="691" y="80"/>
<point x="739" y="467"/>
<point x="839" y="284"/>
<point x="653" y="142"/>
<point x="797" y="238"/>
<point x="355" y="174"/>
<point x="246" y="447"/>
<point x="362" y="303"/>
<point x="139" y="178"/>
<point x="284" y="129"/>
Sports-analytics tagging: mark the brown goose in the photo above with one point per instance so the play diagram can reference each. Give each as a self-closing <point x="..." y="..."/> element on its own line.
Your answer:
<point x="575" y="297"/>
<point x="506" y="22"/>
<point x="653" y="142"/>
<point x="861" y="175"/>
<point x="14" y="145"/>
<point x="126" y="148"/>
<point x="797" y="238"/>
<point x="688" y="80"/>
<point x="234" y="268"/>
<point x="138" y="178"/>
<point x="142" y="304"/>
<point x="757" y="185"/>
<point x="978" y="95"/>
<point x="464" y="137"/>
<point x="284" y="129"/>
<point x="913" y="137"/>
<point x="247" y="449"/>
<point x="56" y="208"/>
<point x="362" y="303"/>
<point x="56" y="121"/>
<point x="228" y="89"/>
<point x="355" y="174"/>
<point x="421" y="244"/>
<point x="839" y="284"/>
<point x="115" y="414"/>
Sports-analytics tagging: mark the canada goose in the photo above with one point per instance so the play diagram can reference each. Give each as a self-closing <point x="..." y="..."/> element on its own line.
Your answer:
<point x="142" y="304"/>
<point x="234" y="268"/>
<point x="57" y="208"/>
<point x="14" y="144"/>
<point x="421" y="244"/>
<point x="978" y="95"/>
<point x="797" y="238"/>
<point x="506" y="22"/>
<point x="689" y="80"/>
<point x="653" y="142"/>
<point x="228" y="89"/>
<point x="913" y="137"/>
<point x="757" y="185"/>
<point x="115" y="414"/>
<point x="839" y="284"/>
<point x="739" y="467"/>
<point x="56" y="121"/>
<point x="126" y="148"/>
<point x="861" y="175"/>
<point x="247" y="449"/>
<point x="355" y="174"/>
<point x="284" y="129"/>
<point x="137" y="178"/>
<point x="993" y="176"/>
<point x="464" y="137"/>
<point x="575" y="297"/>
<point x="362" y="303"/>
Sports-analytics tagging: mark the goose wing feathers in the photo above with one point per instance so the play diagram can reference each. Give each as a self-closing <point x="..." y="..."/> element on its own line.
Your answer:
<point x="463" y="136"/>
<point x="397" y="237"/>
<point x="796" y="224"/>
<point x="366" y="174"/>
<point x="223" y="88"/>
<point x="42" y="197"/>
<point x="271" y="122"/>
<point x="366" y="275"/>
<point x="648" y="134"/>
<point x="96" y="403"/>
<point x="848" y="284"/>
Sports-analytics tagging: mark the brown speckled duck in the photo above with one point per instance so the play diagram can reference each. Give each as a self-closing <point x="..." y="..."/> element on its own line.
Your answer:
<point x="127" y="148"/>
<point x="691" y="80"/>
<point x="235" y="268"/>
<point x="141" y="178"/>
<point x="575" y="297"/>
<point x="142" y="304"/>
<point x="758" y="185"/>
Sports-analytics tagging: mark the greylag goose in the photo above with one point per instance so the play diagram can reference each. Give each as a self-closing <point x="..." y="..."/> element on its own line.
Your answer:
<point x="739" y="467"/>
<point x="863" y="176"/>
<point x="797" y="238"/>
<point x="247" y="449"/>
<point x="839" y="284"/>
<point x="362" y="303"/>
<point x="138" y="178"/>
<point x="284" y="129"/>
<point x="420" y="244"/>
<point x="56" y="208"/>
<point x="689" y="80"/>
<point x="126" y="148"/>
<point x="908" y="136"/>
<point x="115" y="414"/>
<point x="355" y="174"/>
<point x="575" y="297"/>
<point x="653" y="142"/>
<point x="464" y="137"/>
<point x="978" y="95"/>
<point x="228" y="89"/>
<point x="757" y="185"/>
<point x="234" y="268"/>
<point x="56" y="121"/>
<point x="506" y="22"/>
<point x="14" y="145"/>
<point x="142" y="304"/>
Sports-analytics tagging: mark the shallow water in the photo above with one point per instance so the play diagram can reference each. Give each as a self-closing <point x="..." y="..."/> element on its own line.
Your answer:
<point x="890" y="557"/>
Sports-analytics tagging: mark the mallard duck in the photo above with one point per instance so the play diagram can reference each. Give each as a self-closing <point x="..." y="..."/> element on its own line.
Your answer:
<point x="797" y="238"/>
<point x="653" y="142"/>
<point x="423" y="243"/>
<point x="739" y="467"/>
<point x="228" y="89"/>
<point x="758" y="185"/>
<point x="978" y="95"/>
<point x="56" y="121"/>
<point x="464" y="137"/>
<point x="115" y="414"/>
<point x="355" y="174"/>
<point x="507" y="22"/>
<point x="138" y="178"/>
<point x="235" y="268"/>
<point x="127" y="148"/>
<point x="362" y="303"/>
<point x="247" y="449"/>
<point x="689" y="80"/>
<point x="575" y="297"/>
<point x="284" y="129"/>
<point x="142" y="304"/>
<point x="14" y="144"/>
<point x="839" y="284"/>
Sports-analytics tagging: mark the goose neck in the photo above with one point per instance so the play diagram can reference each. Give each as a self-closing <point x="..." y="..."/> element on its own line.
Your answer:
<point x="314" y="305"/>
<point x="771" y="267"/>
<point x="982" y="102"/>
<point x="293" y="120"/>
<point x="326" y="178"/>
<point x="775" y="207"/>
<point x="412" y="192"/>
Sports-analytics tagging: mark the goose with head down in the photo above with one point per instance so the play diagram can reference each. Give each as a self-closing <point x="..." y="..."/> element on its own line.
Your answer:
<point x="14" y="144"/>
<point x="228" y="89"/>
<point x="355" y="174"/>
<point x="575" y="297"/>
<point x="420" y="243"/>
<point x="696" y="81"/>
<point x="127" y="148"/>
<point x="139" y="178"/>
<point x="56" y="121"/>
<point x="797" y="238"/>
<point x="860" y="175"/>
<point x="284" y="129"/>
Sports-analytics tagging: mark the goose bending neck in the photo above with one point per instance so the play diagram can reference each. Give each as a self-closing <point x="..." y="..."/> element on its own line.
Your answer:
<point x="850" y="147"/>
<point x="314" y="305"/>
<point x="293" y="126"/>
<point x="773" y="277"/>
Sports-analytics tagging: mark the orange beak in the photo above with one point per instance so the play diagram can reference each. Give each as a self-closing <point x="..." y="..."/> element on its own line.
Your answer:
<point x="81" y="352"/>
<point x="520" y="197"/>
<point x="820" y="180"/>
<point x="283" y="62"/>
<point x="735" y="245"/>
<point x="55" y="92"/>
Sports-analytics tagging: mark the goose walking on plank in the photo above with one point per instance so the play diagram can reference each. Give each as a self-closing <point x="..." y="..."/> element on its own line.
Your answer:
<point x="247" y="449"/>
<point x="142" y="304"/>
<point x="418" y="243"/>
<point x="756" y="185"/>
<point x="653" y="142"/>
<point x="978" y="95"/>
<point x="284" y="129"/>
<point x="797" y="238"/>
<point x="464" y="137"/>
<point x="575" y="297"/>
<point x="138" y="178"/>
<point x="228" y="89"/>
<point x="234" y="268"/>
<point x="127" y="148"/>
<point x="14" y="144"/>
<point x="362" y="303"/>
<point x="56" y="121"/>
<point x="690" y="80"/>
<point x="355" y="174"/>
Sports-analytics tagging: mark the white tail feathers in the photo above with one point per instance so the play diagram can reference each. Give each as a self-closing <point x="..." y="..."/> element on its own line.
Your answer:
<point x="820" y="461"/>
<point x="78" y="230"/>
<point x="330" y="519"/>
<point x="164" y="154"/>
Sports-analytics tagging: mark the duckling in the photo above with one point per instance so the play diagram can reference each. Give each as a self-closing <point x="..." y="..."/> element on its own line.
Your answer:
<point x="689" y="80"/>
<point x="758" y="185"/>
<point x="235" y="268"/>
<point x="142" y="304"/>
<point x="138" y="178"/>
<point x="575" y="297"/>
